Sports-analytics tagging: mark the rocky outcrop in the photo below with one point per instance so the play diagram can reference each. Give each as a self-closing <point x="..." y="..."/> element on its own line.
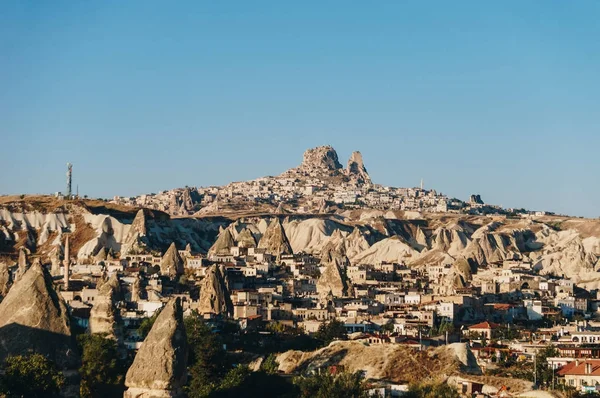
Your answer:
<point x="136" y="240"/>
<point x="389" y="250"/>
<point x="356" y="169"/>
<point x="214" y="295"/>
<point x="333" y="280"/>
<point x="22" y="264"/>
<point x="334" y="252"/>
<point x="274" y="240"/>
<point x="55" y="261"/>
<point x="475" y="199"/>
<point x="223" y="244"/>
<point x="394" y="362"/>
<point x="160" y="366"/>
<point x="320" y="159"/>
<point x="4" y="280"/>
<point x="246" y="239"/>
<point x="105" y="315"/>
<point x="459" y="277"/>
<point x="452" y="239"/>
<point x="171" y="263"/>
<point x="34" y="318"/>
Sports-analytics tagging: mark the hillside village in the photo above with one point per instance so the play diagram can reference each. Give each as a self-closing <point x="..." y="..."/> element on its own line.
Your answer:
<point x="497" y="291"/>
<point x="319" y="185"/>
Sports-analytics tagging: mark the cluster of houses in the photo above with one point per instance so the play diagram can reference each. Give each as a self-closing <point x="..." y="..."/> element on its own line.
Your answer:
<point x="306" y="195"/>
<point x="506" y="309"/>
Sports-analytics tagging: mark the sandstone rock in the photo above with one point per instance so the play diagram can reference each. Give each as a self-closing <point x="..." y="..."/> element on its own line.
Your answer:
<point x="223" y="244"/>
<point x="34" y="318"/>
<point x="356" y="169"/>
<point x="160" y="366"/>
<point x="389" y="250"/>
<point x="105" y="316"/>
<point x="214" y="294"/>
<point x="55" y="260"/>
<point x="22" y="263"/>
<point x="333" y="281"/>
<point x="171" y="263"/>
<point x="334" y="252"/>
<point x="136" y="289"/>
<point x="421" y="238"/>
<point x="323" y="158"/>
<point x="246" y="239"/>
<point x="136" y="240"/>
<point x="4" y="280"/>
<point x="274" y="240"/>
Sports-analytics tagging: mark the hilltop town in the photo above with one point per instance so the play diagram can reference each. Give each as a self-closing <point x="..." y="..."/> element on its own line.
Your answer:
<point x="319" y="185"/>
<point x="477" y="295"/>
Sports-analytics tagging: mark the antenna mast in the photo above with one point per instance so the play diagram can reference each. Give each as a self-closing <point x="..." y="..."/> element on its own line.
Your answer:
<point x="69" y="175"/>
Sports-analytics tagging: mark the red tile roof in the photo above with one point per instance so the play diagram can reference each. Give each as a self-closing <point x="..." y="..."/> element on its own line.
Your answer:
<point x="485" y="325"/>
<point x="576" y="368"/>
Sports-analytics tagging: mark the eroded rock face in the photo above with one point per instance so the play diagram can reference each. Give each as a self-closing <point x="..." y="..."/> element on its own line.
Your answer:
<point x="322" y="158"/>
<point x="136" y="240"/>
<point x="356" y="169"/>
<point x="214" y="295"/>
<point x="104" y="316"/>
<point x="23" y="264"/>
<point x="334" y="251"/>
<point x="274" y="240"/>
<point x="160" y="366"/>
<point x="4" y="280"/>
<point x="246" y="239"/>
<point x="171" y="263"/>
<point x="34" y="318"/>
<point x="223" y="244"/>
<point x="333" y="281"/>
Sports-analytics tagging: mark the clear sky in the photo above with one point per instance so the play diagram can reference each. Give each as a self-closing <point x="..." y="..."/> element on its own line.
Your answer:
<point x="497" y="98"/>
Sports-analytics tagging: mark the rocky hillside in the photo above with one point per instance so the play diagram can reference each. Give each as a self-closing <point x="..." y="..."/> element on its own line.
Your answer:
<point x="557" y="245"/>
<point x="322" y="162"/>
<point x="391" y="362"/>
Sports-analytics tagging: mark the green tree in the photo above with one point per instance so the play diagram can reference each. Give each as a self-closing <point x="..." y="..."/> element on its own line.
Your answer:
<point x="388" y="327"/>
<point x="331" y="331"/>
<point x="270" y="365"/>
<point x="31" y="376"/>
<point x="324" y="384"/>
<point x="543" y="372"/>
<point x="102" y="374"/>
<point x="146" y="325"/>
<point x="207" y="361"/>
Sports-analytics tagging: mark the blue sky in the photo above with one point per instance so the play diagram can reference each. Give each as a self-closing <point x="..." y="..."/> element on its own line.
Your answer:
<point x="496" y="98"/>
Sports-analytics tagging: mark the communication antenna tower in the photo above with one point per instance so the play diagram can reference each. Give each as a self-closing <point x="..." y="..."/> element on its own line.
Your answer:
<point x="69" y="177"/>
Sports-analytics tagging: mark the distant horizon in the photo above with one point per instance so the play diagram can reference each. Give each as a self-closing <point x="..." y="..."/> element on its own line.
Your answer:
<point x="496" y="99"/>
<point x="465" y="199"/>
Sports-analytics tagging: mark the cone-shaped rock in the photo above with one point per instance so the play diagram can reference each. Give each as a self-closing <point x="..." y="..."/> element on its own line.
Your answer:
<point x="223" y="244"/>
<point x="214" y="295"/>
<point x="246" y="239"/>
<point x="55" y="260"/>
<point x="333" y="280"/>
<point x="171" y="263"/>
<point x="356" y="169"/>
<point x="274" y="240"/>
<point x="160" y="366"/>
<point x="34" y="318"/>
<point x="136" y="240"/>
<point x="4" y="280"/>
<point x="420" y="237"/>
<point x="104" y="316"/>
<point x="23" y="264"/>
<point x="334" y="250"/>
